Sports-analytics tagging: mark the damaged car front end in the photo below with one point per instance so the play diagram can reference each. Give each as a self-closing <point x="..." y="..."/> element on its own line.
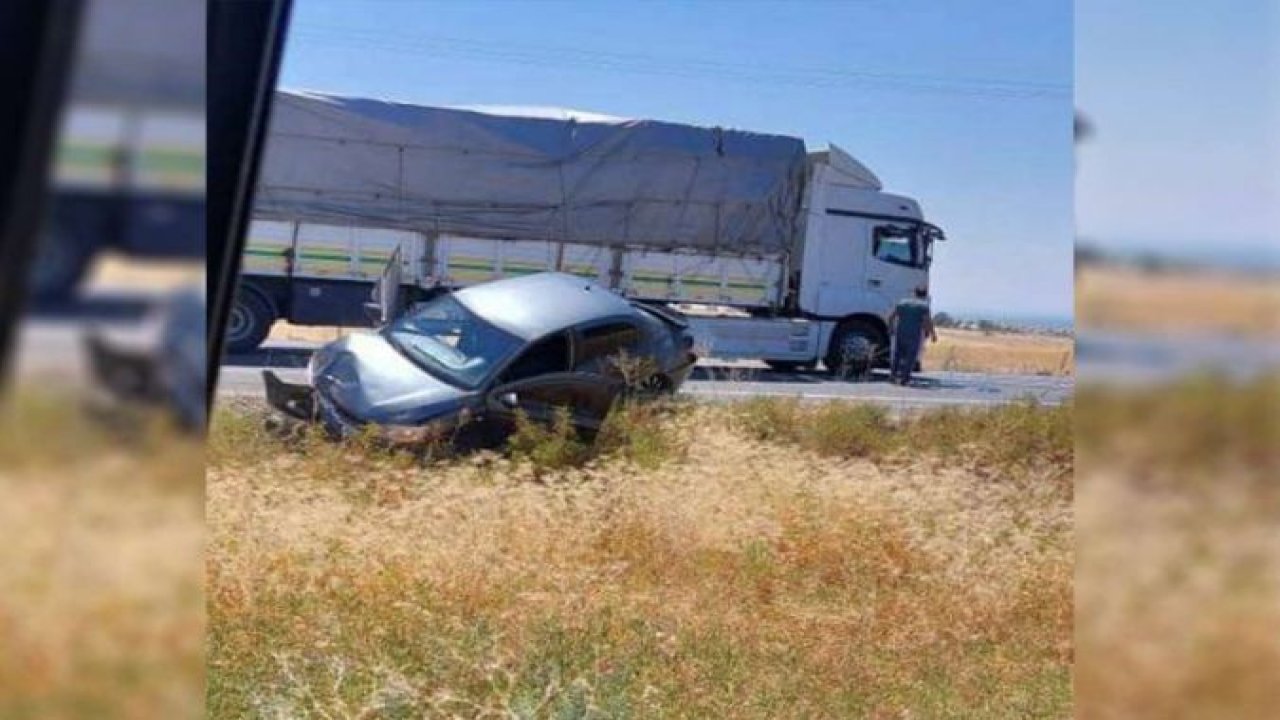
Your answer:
<point x="468" y="363"/>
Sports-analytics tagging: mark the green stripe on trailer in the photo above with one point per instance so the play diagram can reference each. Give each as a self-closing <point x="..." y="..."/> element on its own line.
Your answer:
<point x="169" y="160"/>
<point x="86" y="155"/>
<point x="266" y="251"/>
<point x="651" y="278"/>
<point x="148" y="159"/>
<point x="322" y="255"/>
<point x="471" y="275"/>
<point x="700" y="282"/>
<point x="486" y="267"/>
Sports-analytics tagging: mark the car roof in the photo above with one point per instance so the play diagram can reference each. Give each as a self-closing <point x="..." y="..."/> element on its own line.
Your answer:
<point x="532" y="306"/>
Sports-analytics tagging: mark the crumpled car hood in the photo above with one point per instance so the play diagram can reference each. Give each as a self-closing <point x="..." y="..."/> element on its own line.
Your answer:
<point x="368" y="379"/>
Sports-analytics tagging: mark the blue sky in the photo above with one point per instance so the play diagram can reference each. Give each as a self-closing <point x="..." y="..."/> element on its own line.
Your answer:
<point x="964" y="105"/>
<point x="1185" y="97"/>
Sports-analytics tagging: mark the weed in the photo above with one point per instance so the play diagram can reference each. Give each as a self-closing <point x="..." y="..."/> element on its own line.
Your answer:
<point x="690" y="561"/>
<point x="1004" y="439"/>
<point x="548" y="447"/>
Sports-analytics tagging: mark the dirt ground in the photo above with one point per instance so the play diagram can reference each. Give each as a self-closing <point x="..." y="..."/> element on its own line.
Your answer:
<point x="112" y="271"/>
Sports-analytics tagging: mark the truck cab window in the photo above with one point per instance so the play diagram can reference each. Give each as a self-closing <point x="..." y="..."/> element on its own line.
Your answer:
<point x="895" y="245"/>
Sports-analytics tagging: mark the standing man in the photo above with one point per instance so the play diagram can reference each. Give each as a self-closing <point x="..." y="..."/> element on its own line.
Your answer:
<point x="909" y="322"/>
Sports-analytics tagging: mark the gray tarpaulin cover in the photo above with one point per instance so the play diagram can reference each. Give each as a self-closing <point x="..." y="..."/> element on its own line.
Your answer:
<point x="527" y="174"/>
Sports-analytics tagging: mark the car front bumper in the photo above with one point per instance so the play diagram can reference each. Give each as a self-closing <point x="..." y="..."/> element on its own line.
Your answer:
<point x="301" y="402"/>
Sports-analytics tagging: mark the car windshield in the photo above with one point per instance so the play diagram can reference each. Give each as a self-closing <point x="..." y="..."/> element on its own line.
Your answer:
<point x="453" y="343"/>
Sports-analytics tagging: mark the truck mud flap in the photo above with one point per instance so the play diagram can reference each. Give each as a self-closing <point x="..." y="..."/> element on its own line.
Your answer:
<point x="297" y="401"/>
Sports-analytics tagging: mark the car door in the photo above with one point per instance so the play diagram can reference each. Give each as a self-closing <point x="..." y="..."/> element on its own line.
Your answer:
<point x="588" y="397"/>
<point x="385" y="301"/>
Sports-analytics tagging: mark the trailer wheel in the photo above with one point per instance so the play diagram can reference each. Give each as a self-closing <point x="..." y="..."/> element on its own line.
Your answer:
<point x="249" y="321"/>
<point x="835" y="359"/>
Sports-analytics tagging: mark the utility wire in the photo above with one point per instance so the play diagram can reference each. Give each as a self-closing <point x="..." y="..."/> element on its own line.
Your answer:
<point x="583" y="59"/>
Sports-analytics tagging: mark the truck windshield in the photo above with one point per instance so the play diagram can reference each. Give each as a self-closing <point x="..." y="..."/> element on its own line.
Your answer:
<point x="449" y="341"/>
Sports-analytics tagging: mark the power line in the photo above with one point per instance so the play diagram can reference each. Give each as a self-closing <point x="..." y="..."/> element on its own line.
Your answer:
<point x="585" y="59"/>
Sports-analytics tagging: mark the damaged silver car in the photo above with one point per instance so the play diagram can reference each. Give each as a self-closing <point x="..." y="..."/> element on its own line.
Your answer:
<point x="479" y="357"/>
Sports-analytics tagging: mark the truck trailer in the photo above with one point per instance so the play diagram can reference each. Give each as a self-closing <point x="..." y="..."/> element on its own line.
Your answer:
<point x="771" y="251"/>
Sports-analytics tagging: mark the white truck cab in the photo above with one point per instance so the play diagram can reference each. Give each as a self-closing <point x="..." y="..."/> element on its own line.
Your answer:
<point x="862" y="250"/>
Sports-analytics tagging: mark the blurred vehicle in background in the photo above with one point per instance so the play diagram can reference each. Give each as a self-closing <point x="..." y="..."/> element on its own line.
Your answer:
<point x="168" y="370"/>
<point x="128" y="175"/>
<point x="127" y="179"/>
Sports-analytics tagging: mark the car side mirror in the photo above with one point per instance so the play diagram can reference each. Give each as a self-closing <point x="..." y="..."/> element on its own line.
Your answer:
<point x="509" y="400"/>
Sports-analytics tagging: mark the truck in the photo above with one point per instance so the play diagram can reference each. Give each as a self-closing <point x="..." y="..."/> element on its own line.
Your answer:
<point x="771" y="251"/>
<point x="128" y="172"/>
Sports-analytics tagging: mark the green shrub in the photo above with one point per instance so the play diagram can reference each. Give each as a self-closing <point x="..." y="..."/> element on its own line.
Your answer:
<point x="643" y="432"/>
<point x="548" y="447"/>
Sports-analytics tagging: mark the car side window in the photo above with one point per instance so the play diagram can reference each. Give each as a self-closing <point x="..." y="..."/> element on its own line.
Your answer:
<point x="545" y="356"/>
<point x="596" y="345"/>
<point x="894" y="245"/>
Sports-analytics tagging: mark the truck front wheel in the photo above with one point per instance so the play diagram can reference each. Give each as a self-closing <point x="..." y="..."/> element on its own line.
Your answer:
<point x="249" y="321"/>
<point x="841" y="344"/>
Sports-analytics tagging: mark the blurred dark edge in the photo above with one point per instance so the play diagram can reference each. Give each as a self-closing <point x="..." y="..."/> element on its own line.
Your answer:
<point x="245" y="43"/>
<point x="37" y="47"/>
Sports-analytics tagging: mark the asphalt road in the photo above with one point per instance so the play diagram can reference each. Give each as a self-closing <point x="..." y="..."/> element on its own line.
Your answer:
<point x="1124" y="358"/>
<point x="241" y="376"/>
<point x="50" y="342"/>
<point x="51" y="347"/>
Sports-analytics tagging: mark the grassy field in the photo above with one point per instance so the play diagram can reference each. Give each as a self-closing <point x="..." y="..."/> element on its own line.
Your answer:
<point x="1124" y="298"/>
<point x="1178" y="573"/>
<point x="101" y="602"/>
<point x="764" y="560"/>
<point x="1000" y="352"/>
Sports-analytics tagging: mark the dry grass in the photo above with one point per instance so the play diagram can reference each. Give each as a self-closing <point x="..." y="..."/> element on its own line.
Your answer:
<point x="1177" y="301"/>
<point x="700" y="572"/>
<point x="996" y="352"/>
<point x="101" y="605"/>
<point x="1178" y="574"/>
